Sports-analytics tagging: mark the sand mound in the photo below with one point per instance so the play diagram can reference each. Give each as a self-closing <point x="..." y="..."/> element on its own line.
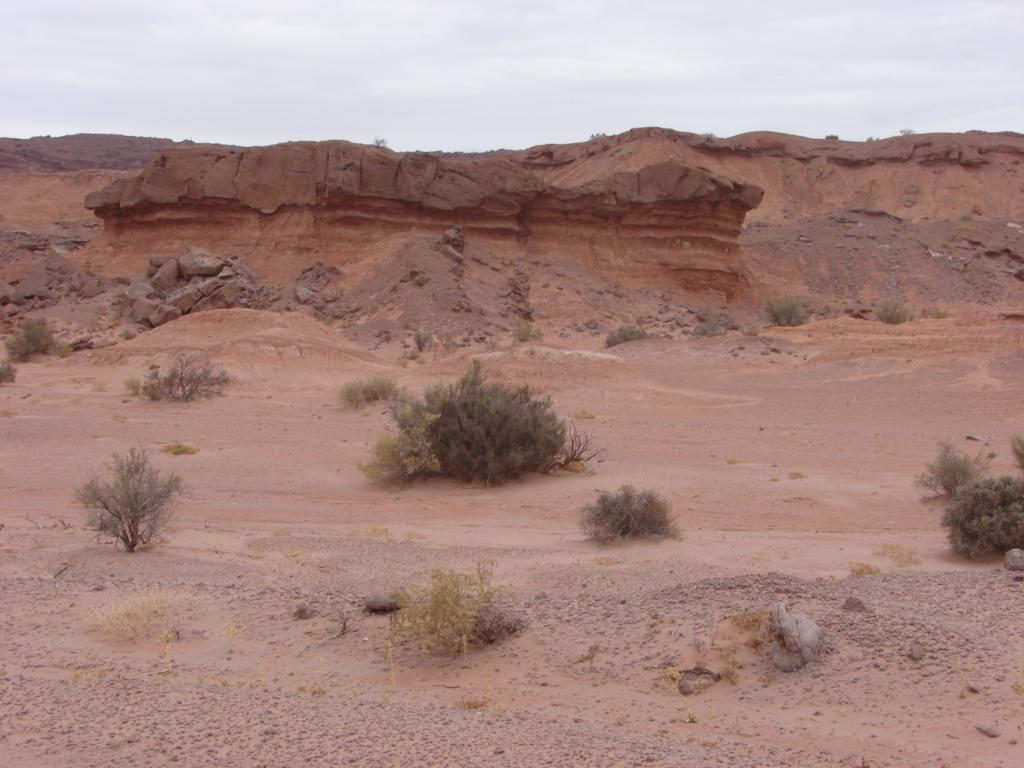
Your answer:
<point x="241" y="338"/>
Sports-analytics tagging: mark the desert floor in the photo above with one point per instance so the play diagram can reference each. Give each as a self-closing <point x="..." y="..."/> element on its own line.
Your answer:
<point x="788" y="457"/>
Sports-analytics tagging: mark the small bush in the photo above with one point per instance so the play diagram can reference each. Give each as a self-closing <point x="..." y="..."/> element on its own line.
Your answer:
<point x="628" y="513"/>
<point x="34" y="338"/>
<point x="135" y="505"/>
<point x="423" y="341"/>
<point x="1017" y="446"/>
<point x="708" y="328"/>
<point x="527" y="332"/>
<point x="356" y="394"/>
<point x="145" y="616"/>
<point x="624" y="334"/>
<point x="189" y="377"/>
<point x="7" y="373"/>
<point x="445" y="617"/>
<point x="180" y="449"/>
<point x="786" y="312"/>
<point x="133" y="387"/>
<point x="578" y="449"/>
<point x="470" y="430"/>
<point x="893" y="312"/>
<point x="987" y="517"/>
<point x="951" y="471"/>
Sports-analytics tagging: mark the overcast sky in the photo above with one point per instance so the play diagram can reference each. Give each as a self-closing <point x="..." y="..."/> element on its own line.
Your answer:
<point x="474" y="74"/>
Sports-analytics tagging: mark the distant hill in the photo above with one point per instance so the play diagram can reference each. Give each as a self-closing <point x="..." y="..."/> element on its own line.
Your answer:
<point x="82" y="151"/>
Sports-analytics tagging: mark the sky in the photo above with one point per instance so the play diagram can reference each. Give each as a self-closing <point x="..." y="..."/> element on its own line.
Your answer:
<point x="474" y="75"/>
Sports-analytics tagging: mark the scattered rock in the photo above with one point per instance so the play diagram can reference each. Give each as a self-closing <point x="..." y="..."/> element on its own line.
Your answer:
<point x="797" y="639"/>
<point x="9" y="294"/>
<point x="696" y="680"/>
<point x="163" y="314"/>
<point x="915" y="652"/>
<point x="854" y="604"/>
<point x="454" y="239"/>
<point x="142" y="309"/>
<point x="495" y="622"/>
<point x="166" y="277"/>
<point x="1014" y="560"/>
<point x="381" y="602"/>
<point x="989" y="729"/>
<point x="199" y="263"/>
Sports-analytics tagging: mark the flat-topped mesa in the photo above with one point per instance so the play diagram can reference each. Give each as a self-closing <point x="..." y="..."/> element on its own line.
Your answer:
<point x="662" y="221"/>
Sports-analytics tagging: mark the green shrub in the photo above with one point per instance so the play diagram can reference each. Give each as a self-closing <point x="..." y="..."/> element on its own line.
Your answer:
<point x="786" y="312"/>
<point x="135" y="505"/>
<point x="7" y="373"/>
<point x="423" y="341"/>
<point x="527" y="332"/>
<point x="470" y="430"/>
<point x="708" y="328"/>
<point x="951" y="471"/>
<point x="34" y="338"/>
<point x="628" y="513"/>
<point x="356" y="394"/>
<point x="893" y="312"/>
<point x="987" y="517"/>
<point x="624" y="334"/>
<point x="1017" y="446"/>
<point x="455" y="610"/>
<point x="188" y="377"/>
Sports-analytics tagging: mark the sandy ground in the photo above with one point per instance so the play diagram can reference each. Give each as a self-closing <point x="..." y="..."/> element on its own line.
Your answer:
<point x="788" y="457"/>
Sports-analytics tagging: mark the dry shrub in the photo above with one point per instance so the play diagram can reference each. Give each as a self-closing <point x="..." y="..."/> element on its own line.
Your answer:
<point x="951" y="471"/>
<point x="190" y="376"/>
<point x="452" y="612"/>
<point x="786" y="312"/>
<point x="708" y="328"/>
<point x="624" y="334"/>
<point x="987" y="517"/>
<point x="7" y="373"/>
<point x="525" y="331"/>
<point x="902" y="557"/>
<point x="180" y="449"/>
<point x="578" y="449"/>
<point x="863" y="569"/>
<point x="1017" y="446"/>
<point x="356" y="394"/>
<point x="135" y="505"/>
<point x="471" y="430"/>
<point x="145" y="616"/>
<point x="33" y="338"/>
<point x="628" y="513"/>
<point x="893" y="312"/>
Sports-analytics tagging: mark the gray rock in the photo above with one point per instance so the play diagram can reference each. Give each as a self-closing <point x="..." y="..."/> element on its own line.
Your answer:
<point x="304" y="294"/>
<point x="140" y="288"/>
<point x="158" y="260"/>
<point x="206" y="287"/>
<point x="163" y="314"/>
<point x="797" y="639"/>
<point x="695" y="680"/>
<point x="9" y="294"/>
<point x="142" y="309"/>
<point x="989" y="729"/>
<point x="166" y="277"/>
<point x="915" y="653"/>
<point x="34" y="286"/>
<point x="1014" y="560"/>
<point x="200" y="263"/>
<point x="381" y="602"/>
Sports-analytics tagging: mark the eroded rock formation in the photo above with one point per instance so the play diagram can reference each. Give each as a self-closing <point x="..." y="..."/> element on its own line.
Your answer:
<point x="662" y="222"/>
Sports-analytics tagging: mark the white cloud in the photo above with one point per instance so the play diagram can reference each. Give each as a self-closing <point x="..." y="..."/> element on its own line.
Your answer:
<point x="479" y="75"/>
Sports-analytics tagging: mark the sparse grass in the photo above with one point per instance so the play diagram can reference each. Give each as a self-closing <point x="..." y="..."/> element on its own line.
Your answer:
<point x="33" y="338"/>
<point x="902" y="557"/>
<point x="143" y="617"/>
<point x="708" y="328"/>
<point x="585" y="415"/>
<point x="180" y="449"/>
<point x="786" y="312"/>
<point x="525" y="331"/>
<point x="133" y="387"/>
<point x="934" y="313"/>
<point x="893" y="312"/>
<point x="473" y="703"/>
<point x="952" y="471"/>
<point x="442" y="617"/>
<point x="798" y="475"/>
<point x="863" y="569"/>
<point x="356" y="394"/>
<point x="624" y="334"/>
<point x="280" y="532"/>
<point x="291" y="551"/>
<point x="1017" y="448"/>
<point x="628" y="513"/>
<point x="7" y="373"/>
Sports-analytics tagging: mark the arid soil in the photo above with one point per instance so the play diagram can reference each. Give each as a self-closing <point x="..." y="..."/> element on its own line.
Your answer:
<point x="786" y="469"/>
<point x="788" y="456"/>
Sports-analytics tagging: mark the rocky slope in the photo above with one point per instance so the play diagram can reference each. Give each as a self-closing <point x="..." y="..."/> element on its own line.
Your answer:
<point x="82" y="151"/>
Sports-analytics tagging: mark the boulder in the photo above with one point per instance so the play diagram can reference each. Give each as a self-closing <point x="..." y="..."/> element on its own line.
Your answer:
<point x="158" y="260"/>
<point x="9" y="294"/>
<point x="797" y="640"/>
<point x="697" y="679"/>
<point x="34" y="285"/>
<point x="185" y="298"/>
<point x="303" y="611"/>
<point x="142" y="308"/>
<point x="381" y="602"/>
<point x="454" y="239"/>
<point x="166" y="277"/>
<point x="1014" y="560"/>
<point x="200" y="263"/>
<point x="140" y="288"/>
<point x="164" y="313"/>
<point x="208" y="286"/>
<point x="854" y="604"/>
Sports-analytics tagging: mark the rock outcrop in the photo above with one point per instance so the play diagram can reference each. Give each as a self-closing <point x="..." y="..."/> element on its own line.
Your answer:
<point x="797" y="640"/>
<point x="662" y="222"/>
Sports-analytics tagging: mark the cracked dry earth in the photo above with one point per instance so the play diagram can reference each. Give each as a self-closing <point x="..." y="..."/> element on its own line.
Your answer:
<point x="789" y="474"/>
